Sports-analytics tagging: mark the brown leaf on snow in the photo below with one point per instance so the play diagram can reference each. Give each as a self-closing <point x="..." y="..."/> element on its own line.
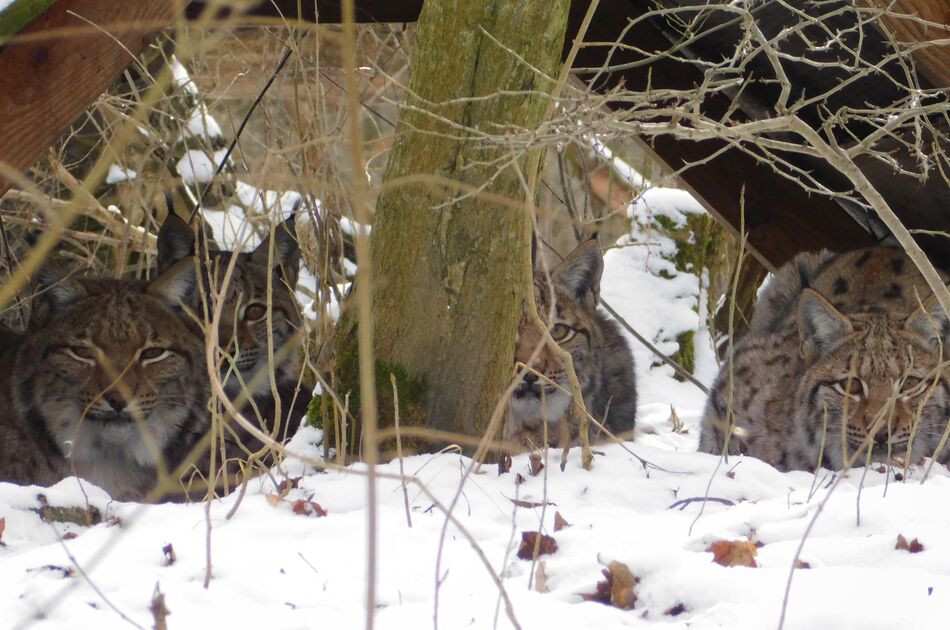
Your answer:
<point x="675" y="421"/>
<point x="914" y="546"/>
<point x="560" y="522"/>
<point x="528" y="541"/>
<point x="675" y="611"/>
<point x="536" y="464"/>
<point x="308" y="508"/>
<point x="3" y="526"/>
<point x="541" y="578"/>
<point x="285" y="486"/>
<point x="734" y="553"/>
<point x="801" y="564"/>
<point x="170" y="557"/>
<point x="504" y="463"/>
<point x="617" y="589"/>
<point x="273" y="499"/>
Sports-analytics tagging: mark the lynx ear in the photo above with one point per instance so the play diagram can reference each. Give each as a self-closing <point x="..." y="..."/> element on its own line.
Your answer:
<point x="52" y="292"/>
<point x="176" y="240"/>
<point x="580" y="272"/>
<point x="820" y="324"/>
<point x="930" y="323"/>
<point x="286" y="251"/>
<point x="176" y="286"/>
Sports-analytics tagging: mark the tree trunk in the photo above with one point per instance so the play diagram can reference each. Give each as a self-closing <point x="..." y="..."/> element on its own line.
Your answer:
<point x="450" y="275"/>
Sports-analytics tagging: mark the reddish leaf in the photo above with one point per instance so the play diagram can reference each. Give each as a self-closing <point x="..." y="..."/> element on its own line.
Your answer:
<point x="529" y="539"/>
<point x="560" y="522"/>
<point x="734" y="553"/>
<point x="70" y="535"/>
<point x="528" y="504"/>
<point x="801" y="564"/>
<point x="287" y="485"/>
<point x="308" y="508"/>
<point x="675" y="611"/>
<point x="914" y="546"/>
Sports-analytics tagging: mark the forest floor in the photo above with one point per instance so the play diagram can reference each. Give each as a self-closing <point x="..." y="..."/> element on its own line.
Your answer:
<point x="278" y="564"/>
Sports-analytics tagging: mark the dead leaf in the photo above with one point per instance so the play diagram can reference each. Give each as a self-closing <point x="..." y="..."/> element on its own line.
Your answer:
<point x="560" y="522"/>
<point x="675" y="421"/>
<point x="70" y="535"/>
<point x="3" y="526"/>
<point x="801" y="564"/>
<point x="541" y="578"/>
<point x="914" y="546"/>
<point x="273" y="499"/>
<point x="675" y="611"/>
<point x="519" y="479"/>
<point x="617" y="589"/>
<point x="504" y="464"/>
<point x="285" y="486"/>
<point x="308" y="508"/>
<point x="734" y="553"/>
<point x="528" y="541"/>
<point x="170" y="556"/>
<point x="158" y="609"/>
<point x="536" y="464"/>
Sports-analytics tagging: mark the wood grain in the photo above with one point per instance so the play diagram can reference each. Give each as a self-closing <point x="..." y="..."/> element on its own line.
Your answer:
<point x="920" y="21"/>
<point x="59" y="64"/>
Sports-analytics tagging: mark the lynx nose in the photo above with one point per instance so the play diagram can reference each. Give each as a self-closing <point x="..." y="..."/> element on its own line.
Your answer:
<point x="115" y="401"/>
<point x="530" y="378"/>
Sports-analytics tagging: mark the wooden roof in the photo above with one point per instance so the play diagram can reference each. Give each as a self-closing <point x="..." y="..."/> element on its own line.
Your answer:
<point x="46" y="84"/>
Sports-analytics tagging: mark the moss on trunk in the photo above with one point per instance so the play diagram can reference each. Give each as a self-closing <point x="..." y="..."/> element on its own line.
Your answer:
<point x="451" y="267"/>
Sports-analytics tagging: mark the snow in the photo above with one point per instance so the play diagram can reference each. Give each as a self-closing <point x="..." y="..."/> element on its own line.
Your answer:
<point x="119" y="174"/>
<point x="276" y="569"/>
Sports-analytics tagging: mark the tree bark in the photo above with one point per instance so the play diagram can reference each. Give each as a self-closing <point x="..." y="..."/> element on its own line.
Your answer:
<point x="451" y="274"/>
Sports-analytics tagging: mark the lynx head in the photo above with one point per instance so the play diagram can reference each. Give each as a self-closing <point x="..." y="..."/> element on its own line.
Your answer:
<point x="883" y="373"/>
<point x="567" y="303"/>
<point x="110" y="368"/>
<point x="243" y="331"/>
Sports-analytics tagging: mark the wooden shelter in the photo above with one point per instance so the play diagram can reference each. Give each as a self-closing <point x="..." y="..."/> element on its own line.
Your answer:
<point x="57" y="66"/>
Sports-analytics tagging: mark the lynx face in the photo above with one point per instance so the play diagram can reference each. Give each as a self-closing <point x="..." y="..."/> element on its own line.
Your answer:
<point x="842" y="357"/>
<point x="878" y="379"/>
<point x="567" y="304"/>
<point x="114" y="376"/>
<point x="243" y="331"/>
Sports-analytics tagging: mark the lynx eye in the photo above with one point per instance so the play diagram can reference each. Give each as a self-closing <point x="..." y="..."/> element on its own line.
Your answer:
<point x="81" y="353"/>
<point x="912" y="386"/>
<point x="152" y="354"/>
<point x="561" y="332"/>
<point x="850" y="387"/>
<point x="255" y="312"/>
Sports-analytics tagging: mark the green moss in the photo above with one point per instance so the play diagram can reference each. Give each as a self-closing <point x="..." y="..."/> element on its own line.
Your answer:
<point x="411" y="391"/>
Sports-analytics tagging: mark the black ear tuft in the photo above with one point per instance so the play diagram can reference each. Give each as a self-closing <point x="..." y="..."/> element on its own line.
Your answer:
<point x="176" y="240"/>
<point x="52" y="292"/>
<point x="580" y="271"/>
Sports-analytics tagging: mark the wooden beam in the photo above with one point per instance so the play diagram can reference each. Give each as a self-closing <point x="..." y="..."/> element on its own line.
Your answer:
<point x="919" y="22"/>
<point x="60" y="63"/>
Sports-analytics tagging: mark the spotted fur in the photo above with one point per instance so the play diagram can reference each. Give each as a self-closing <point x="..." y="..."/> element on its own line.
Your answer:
<point x="243" y="332"/>
<point x="107" y="383"/>
<point x="567" y="303"/>
<point x="846" y="355"/>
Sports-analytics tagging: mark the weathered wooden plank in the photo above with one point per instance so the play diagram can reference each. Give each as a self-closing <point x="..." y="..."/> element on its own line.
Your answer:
<point x="47" y="80"/>
<point x="916" y="22"/>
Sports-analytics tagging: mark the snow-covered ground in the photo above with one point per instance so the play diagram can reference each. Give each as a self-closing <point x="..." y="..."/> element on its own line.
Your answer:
<point x="273" y="567"/>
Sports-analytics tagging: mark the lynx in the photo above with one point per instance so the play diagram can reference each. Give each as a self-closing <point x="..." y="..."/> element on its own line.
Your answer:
<point x="107" y="383"/>
<point x="600" y="355"/>
<point x="243" y="331"/>
<point x="854" y="363"/>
